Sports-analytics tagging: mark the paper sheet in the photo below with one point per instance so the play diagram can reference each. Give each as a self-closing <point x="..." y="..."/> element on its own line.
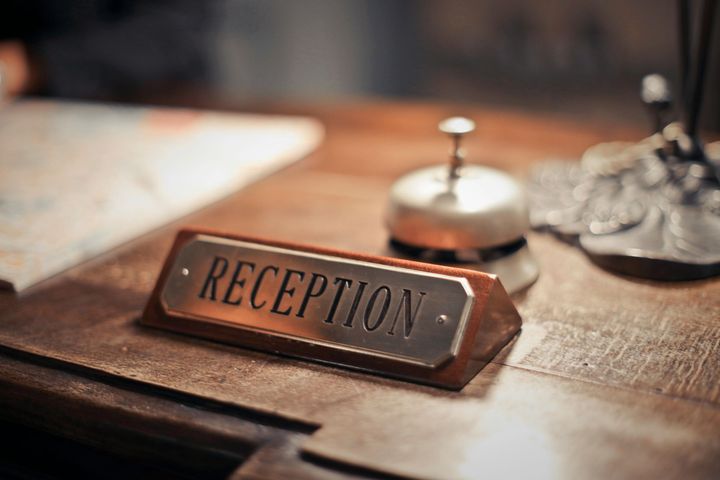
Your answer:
<point x="77" y="179"/>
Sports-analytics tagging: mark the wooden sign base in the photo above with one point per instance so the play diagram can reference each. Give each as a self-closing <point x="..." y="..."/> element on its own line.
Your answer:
<point x="421" y="322"/>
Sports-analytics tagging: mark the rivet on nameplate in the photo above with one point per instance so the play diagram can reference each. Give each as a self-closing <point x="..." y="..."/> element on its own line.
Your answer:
<point x="426" y="323"/>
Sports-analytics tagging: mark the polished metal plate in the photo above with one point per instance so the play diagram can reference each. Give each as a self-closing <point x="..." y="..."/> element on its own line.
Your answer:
<point x="383" y="311"/>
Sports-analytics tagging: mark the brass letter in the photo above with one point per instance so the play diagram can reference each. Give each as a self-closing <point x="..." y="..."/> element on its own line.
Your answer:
<point x="235" y="281"/>
<point x="256" y="287"/>
<point x="409" y="315"/>
<point x="371" y="305"/>
<point x="356" y="301"/>
<point x="344" y="282"/>
<point x="285" y="291"/>
<point x="212" y="277"/>
<point x="309" y="293"/>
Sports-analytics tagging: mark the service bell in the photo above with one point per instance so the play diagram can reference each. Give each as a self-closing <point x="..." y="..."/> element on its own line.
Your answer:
<point x="463" y="215"/>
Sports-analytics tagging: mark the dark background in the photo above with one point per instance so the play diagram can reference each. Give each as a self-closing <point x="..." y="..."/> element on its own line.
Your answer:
<point x="581" y="58"/>
<point x="576" y="58"/>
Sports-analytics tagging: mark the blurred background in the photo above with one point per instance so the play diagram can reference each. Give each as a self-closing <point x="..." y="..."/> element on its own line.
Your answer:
<point x="575" y="58"/>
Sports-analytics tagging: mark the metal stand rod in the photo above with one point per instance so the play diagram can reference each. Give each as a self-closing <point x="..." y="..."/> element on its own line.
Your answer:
<point x="700" y="63"/>
<point x="456" y="157"/>
<point x="684" y="49"/>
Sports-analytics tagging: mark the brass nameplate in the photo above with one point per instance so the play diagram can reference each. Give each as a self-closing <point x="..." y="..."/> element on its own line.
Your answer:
<point x="382" y="316"/>
<point x="411" y="316"/>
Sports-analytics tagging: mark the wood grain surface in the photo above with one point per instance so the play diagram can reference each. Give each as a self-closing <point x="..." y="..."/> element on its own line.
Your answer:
<point x="610" y="376"/>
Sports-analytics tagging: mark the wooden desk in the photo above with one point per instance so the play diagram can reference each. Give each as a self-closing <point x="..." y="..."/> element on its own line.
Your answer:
<point x="610" y="377"/>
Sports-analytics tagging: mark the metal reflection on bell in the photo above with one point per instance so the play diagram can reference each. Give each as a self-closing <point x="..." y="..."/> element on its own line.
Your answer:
<point x="463" y="215"/>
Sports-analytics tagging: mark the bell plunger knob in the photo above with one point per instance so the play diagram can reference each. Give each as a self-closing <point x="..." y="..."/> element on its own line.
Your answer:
<point x="655" y="94"/>
<point x="456" y="127"/>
